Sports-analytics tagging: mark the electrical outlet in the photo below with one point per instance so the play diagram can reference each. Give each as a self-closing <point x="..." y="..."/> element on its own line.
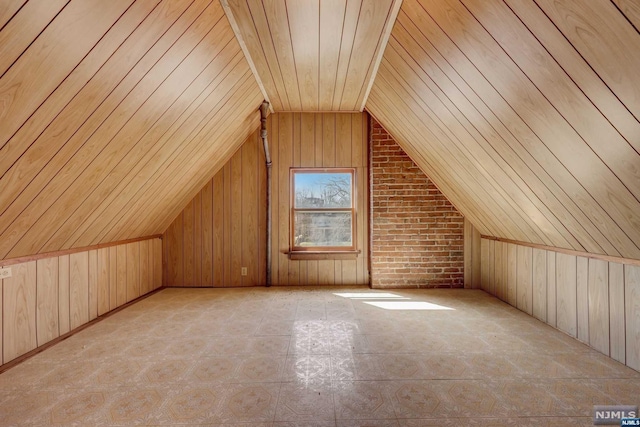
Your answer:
<point x="244" y="271"/>
<point x="5" y="272"/>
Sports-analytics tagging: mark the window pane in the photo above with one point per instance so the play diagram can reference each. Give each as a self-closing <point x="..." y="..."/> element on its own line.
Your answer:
<point x="322" y="190"/>
<point x="323" y="229"/>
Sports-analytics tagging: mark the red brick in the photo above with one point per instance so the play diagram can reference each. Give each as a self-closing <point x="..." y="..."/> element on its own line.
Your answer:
<point x="417" y="235"/>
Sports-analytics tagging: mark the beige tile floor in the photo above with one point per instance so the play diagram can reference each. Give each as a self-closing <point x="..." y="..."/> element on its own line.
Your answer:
<point x="315" y="357"/>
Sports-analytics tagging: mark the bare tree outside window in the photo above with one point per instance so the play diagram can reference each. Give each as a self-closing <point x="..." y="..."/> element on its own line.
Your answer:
<point x="323" y="209"/>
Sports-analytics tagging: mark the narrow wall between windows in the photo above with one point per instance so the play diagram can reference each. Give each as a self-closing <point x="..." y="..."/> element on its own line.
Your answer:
<point x="417" y="234"/>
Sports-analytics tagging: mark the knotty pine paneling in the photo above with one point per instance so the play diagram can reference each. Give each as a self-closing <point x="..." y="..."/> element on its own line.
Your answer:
<point x="49" y="297"/>
<point x="110" y="142"/>
<point x="594" y="300"/>
<point x="518" y="112"/>
<point x="224" y="226"/>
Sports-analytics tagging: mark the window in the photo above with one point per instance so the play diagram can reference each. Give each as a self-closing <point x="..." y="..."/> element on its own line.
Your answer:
<point x="323" y="210"/>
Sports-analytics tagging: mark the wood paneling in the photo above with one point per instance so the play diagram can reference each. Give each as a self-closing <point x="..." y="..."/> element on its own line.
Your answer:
<point x="112" y="139"/>
<point x="539" y="310"/>
<point x="222" y="229"/>
<point x="552" y="296"/>
<point x="8" y="8"/>
<point x="63" y="296"/>
<point x="93" y="284"/>
<point x="566" y="291"/>
<point x="78" y="289"/>
<point x="472" y="258"/>
<point x="582" y="298"/>
<point x="314" y="55"/>
<point x="47" y="300"/>
<point x="231" y="230"/>
<point x="512" y="274"/>
<point x="133" y="271"/>
<point x="146" y="267"/>
<point x="103" y="281"/>
<point x="19" y="311"/>
<point x="484" y="264"/>
<point x="599" y="305"/>
<point x="632" y="315"/>
<point x="121" y="275"/>
<point x="524" y="279"/>
<point x="588" y="298"/>
<point x="50" y="297"/>
<point x="318" y="140"/>
<point x="156" y="259"/>
<point x="516" y="111"/>
<point x="26" y="26"/>
<point x="617" y="312"/>
<point x="113" y="277"/>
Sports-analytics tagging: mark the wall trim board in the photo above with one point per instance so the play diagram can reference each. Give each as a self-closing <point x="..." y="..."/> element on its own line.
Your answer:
<point x="609" y="258"/>
<point x="18" y="360"/>
<point x="46" y="299"/>
<point x="19" y="260"/>
<point x="592" y="300"/>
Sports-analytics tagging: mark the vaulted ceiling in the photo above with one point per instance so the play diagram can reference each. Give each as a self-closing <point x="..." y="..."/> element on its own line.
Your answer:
<point x="114" y="113"/>
<point x="525" y="114"/>
<point x="314" y="55"/>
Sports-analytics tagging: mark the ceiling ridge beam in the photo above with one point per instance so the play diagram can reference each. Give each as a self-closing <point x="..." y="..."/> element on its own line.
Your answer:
<point x="384" y="40"/>
<point x="236" y="29"/>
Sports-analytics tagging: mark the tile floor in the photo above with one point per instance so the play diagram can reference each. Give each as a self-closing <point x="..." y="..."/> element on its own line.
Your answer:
<point x="315" y="357"/>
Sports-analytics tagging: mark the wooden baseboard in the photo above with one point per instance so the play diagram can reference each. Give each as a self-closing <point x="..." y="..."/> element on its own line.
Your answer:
<point x="19" y="260"/>
<point x="603" y="257"/>
<point x="18" y="360"/>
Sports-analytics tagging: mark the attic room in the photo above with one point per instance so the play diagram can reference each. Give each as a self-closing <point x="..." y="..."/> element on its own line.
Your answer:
<point x="319" y="212"/>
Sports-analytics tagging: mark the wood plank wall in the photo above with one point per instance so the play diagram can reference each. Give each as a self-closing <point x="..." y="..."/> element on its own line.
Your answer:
<point x="223" y="228"/>
<point x="318" y="140"/>
<point x="472" y="256"/>
<point x="303" y="52"/>
<point x="526" y="114"/>
<point x="110" y="140"/>
<point x="593" y="300"/>
<point x="49" y="297"/>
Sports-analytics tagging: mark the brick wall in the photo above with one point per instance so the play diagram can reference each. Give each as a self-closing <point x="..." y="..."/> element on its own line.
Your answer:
<point x="417" y="235"/>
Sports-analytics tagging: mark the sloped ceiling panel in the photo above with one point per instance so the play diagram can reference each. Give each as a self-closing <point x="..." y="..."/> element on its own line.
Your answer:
<point x="314" y="55"/>
<point x="525" y="113"/>
<point x="113" y="114"/>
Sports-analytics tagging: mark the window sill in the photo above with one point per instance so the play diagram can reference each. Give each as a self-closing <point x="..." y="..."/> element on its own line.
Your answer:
<point x="322" y="255"/>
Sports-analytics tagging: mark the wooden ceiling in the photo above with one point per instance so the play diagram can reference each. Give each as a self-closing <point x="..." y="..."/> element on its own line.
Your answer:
<point x="313" y="55"/>
<point x="113" y="114"/>
<point x="525" y="114"/>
